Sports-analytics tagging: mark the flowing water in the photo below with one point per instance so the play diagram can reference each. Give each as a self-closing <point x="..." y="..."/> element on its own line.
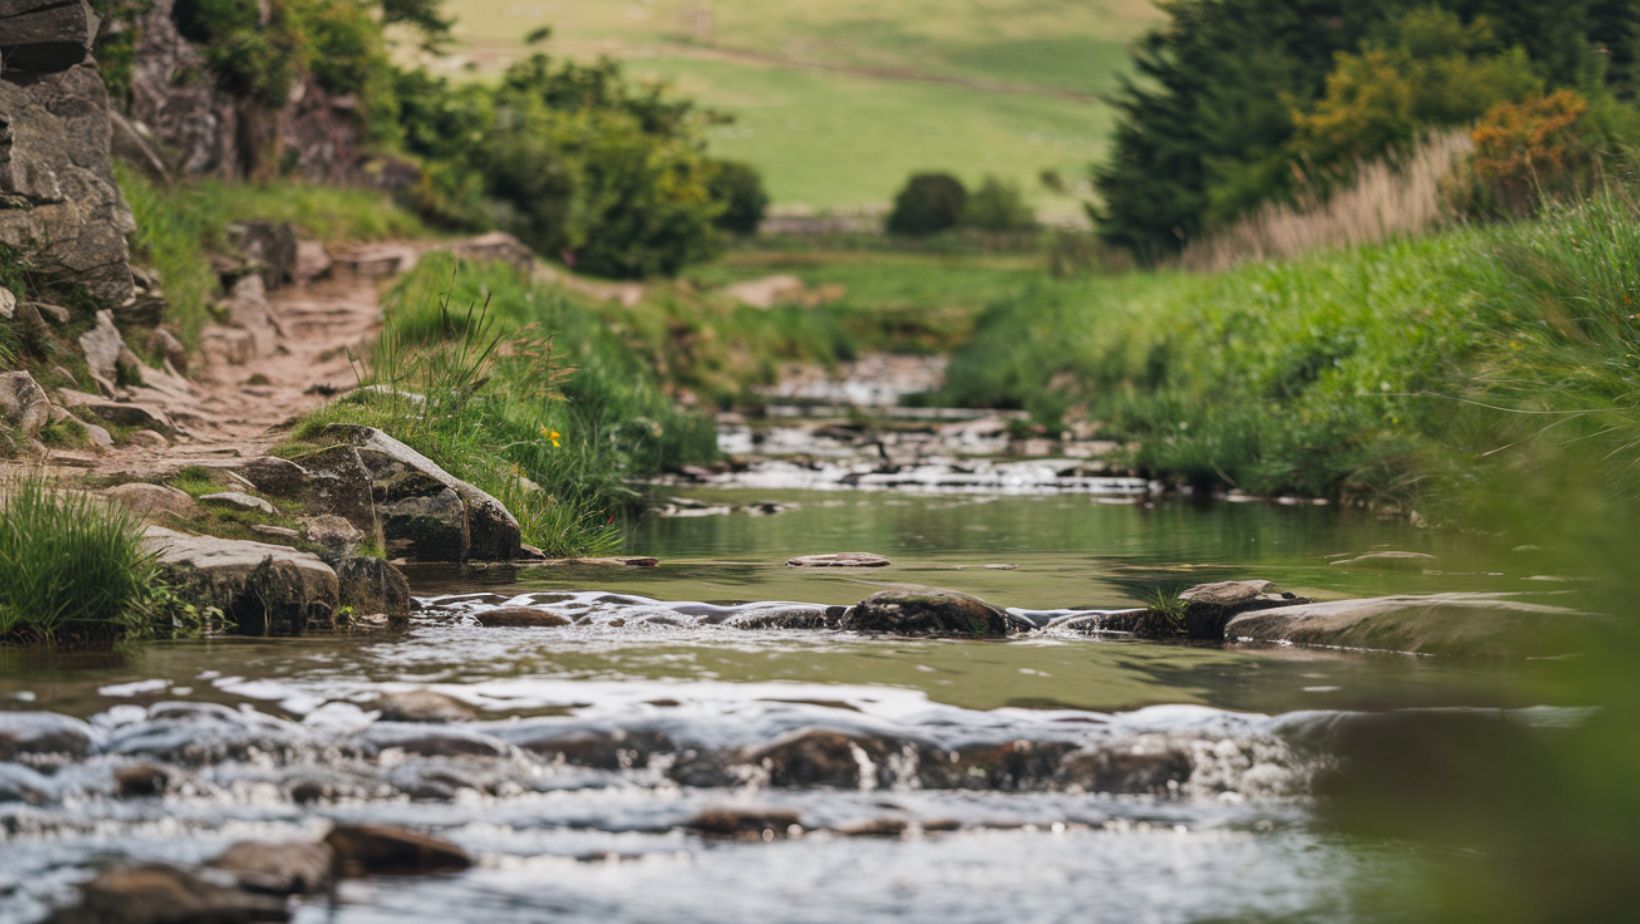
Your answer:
<point x="1058" y="776"/>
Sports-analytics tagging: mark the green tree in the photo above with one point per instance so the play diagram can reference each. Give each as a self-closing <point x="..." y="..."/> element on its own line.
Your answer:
<point x="928" y="203"/>
<point x="739" y="188"/>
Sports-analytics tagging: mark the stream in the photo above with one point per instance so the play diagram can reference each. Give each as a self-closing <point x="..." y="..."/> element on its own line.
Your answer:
<point x="1060" y="776"/>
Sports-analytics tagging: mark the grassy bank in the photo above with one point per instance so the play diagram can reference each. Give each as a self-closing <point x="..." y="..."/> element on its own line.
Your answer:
<point x="1392" y="373"/>
<point x="528" y="392"/>
<point x="179" y="224"/>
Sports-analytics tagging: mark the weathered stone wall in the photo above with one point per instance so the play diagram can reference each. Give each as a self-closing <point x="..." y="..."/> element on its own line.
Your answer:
<point x="59" y="204"/>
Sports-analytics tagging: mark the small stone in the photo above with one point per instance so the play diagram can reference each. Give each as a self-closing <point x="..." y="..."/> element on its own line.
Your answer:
<point x="165" y="343"/>
<point x="276" y="532"/>
<point x="929" y="612"/>
<point x="393" y="851"/>
<point x="422" y="706"/>
<point x="8" y="304"/>
<point x="119" y="413"/>
<point x="148" y="439"/>
<point x="520" y="617"/>
<point x="237" y="500"/>
<point x="138" y="780"/>
<point x="335" y="533"/>
<point x="876" y="827"/>
<point x="840" y="560"/>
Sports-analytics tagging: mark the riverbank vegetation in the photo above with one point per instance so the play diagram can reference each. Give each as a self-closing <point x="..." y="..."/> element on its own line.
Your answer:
<point x="73" y="570"/>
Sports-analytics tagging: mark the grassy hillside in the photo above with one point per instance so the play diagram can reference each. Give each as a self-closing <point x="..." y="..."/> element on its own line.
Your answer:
<point x="837" y="102"/>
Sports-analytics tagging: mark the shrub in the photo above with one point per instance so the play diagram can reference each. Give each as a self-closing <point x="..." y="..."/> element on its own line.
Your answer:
<point x="72" y="569"/>
<point x="256" y="58"/>
<point x="739" y="187"/>
<point x="928" y="203"/>
<point x="1548" y="148"/>
<point x="998" y="206"/>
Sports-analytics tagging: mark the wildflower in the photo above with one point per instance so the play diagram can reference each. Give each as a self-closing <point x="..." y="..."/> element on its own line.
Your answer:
<point x="552" y="436"/>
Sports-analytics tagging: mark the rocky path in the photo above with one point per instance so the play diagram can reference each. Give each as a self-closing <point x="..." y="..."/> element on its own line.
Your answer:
<point x="279" y="355"/>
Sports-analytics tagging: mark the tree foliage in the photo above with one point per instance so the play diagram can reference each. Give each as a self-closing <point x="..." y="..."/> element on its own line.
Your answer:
<point x="997" y="205"/>
<point x="1207" y="122"/>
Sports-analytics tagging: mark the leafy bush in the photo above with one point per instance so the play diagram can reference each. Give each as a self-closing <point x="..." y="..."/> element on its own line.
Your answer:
<point x="1548" y="148"/>
<point x="739" y="187"/>
<point x="998" y="206"/>
<point x="72" y="569"/>
<point x="928" y="203"/>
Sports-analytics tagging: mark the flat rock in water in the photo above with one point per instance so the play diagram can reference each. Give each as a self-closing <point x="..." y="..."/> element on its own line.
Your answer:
<point x="158" y="894"/>
<point x="511" y="617"/>
<point x="422" y="706"/>
<point x="393" y="851"/>
<point x="839" y="560"/>
<point x="279" y="867"/>
<point x="237" y="500"/>
<point x="43" y="733"/>
<point x="1389" y="561"/>
<point x="638" y="562"/>
<point x="929" y="612"/>
<point x="1463" y="624"/>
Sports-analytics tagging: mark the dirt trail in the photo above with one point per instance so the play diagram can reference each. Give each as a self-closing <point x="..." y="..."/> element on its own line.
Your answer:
<point x="227" y="410"/>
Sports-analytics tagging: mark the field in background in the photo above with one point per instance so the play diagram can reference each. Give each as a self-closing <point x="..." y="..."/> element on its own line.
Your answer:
<point x="838" y="102"/>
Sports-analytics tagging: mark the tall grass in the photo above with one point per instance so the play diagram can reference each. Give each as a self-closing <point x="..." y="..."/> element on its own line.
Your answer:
<point x="528" y="394"/>
<point x="1385" y="199"/>
<point x="72" y="569"/>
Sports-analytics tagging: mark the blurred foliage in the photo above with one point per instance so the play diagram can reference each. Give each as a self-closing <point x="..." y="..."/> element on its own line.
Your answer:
<point x="739" y="187"/>
<point x="1208" y="121"/>
<point x="997" y="205"/>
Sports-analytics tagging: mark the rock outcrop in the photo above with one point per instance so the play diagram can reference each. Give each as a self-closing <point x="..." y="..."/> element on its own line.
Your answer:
<point x="1460" y="624"/>
<point x="262" y="589"/>
<point x="59" y="204"/>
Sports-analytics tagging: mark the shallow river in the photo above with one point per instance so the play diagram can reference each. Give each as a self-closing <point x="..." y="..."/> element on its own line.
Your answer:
<point x="1055" y="777"/>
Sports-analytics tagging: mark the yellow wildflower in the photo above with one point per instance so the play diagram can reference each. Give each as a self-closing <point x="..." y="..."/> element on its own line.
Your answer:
<point x="552" y="436"/>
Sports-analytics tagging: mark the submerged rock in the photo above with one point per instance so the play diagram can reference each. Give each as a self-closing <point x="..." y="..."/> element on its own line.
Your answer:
<point x="1389" y="561"/>
<point x="745" y="824"/>
<point x="422" y="706"/>
<point x="824" y="758"/>
<point x="929" y="612"/>
<point x="839" y="560"/>
<point x="39" y="733"/>
<point x="159" y="894"/>
<point x="1467" y="624"/>
<point x="140" y="780"/>
<point x="375" y="850"/>
<point x="512" y="617"/>
<point x="279" y="867"/>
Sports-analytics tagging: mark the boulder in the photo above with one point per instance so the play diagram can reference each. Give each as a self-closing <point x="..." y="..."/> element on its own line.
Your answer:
<point x="338" y="537"/>
<point x="248" y="310"/>
<point x="373" y="587"/>
<point x="45" y="36"/>
<point x="165" y="343"/>
<point x="812" y="758"/>
<point x="1127" y="771"/>
<point x="269" y="247"/>
<point x="929" y="612"/>
<point x="24" y="405"/>
<point x="1461" y="624"/>
<point x="279" y="867"/>
<point x="839" y="560"/>
<point x="237" y="500"/>
<point x="333" y="480"/>
<point x="426" y="513"/>
<point x="59" y="205"/>
<point x="8" y="304"/>
<point x="154" y="500"/>
<point x="422" y="706"/>
<point x="512" y="617"/>
<point x="159" y="894"/>
<point x="386" y="850"/>
<point x="262" y="589"/>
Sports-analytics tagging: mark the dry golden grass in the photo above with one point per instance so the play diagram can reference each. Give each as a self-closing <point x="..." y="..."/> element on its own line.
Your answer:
<point x="1386" y="199"/>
